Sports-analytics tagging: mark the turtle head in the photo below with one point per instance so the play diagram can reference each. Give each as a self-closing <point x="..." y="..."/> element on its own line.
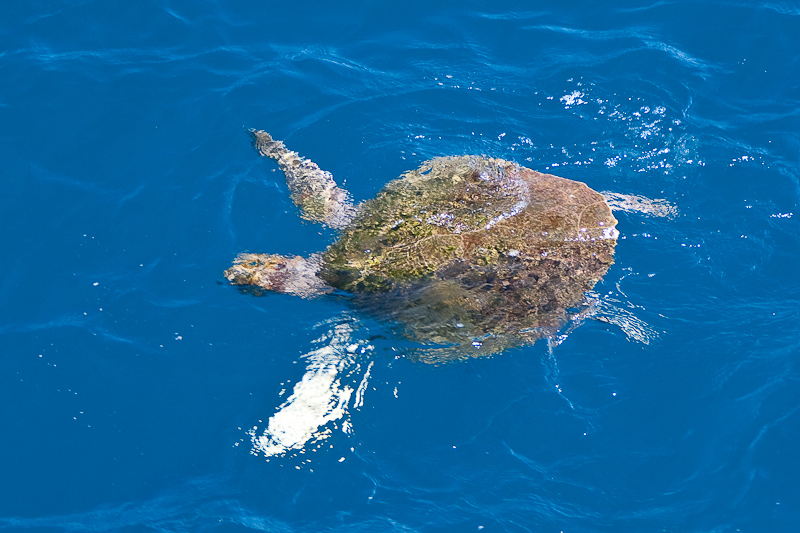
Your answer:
<point x="277" y="273"/>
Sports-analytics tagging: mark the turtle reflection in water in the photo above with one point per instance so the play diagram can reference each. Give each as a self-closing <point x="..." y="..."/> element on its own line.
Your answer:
<point x="470" y="254"/>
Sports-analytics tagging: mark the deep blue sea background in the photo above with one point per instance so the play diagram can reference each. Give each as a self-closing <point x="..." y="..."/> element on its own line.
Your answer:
<point x="130" y="373"/>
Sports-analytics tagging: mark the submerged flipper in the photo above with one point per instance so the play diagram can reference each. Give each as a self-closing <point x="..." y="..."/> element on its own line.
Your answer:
<point x="313" y="190"/>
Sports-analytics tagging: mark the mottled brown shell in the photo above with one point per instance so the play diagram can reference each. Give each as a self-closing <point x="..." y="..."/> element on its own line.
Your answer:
<point x="471" y="247"/>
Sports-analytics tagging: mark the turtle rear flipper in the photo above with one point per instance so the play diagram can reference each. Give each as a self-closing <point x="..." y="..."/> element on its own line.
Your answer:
<point x="313" y="190"/>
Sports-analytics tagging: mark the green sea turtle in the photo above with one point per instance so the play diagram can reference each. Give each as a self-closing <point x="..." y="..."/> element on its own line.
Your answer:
<point x="471" y="254"/>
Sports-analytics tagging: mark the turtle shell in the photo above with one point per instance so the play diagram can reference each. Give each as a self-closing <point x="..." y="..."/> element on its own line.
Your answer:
<point x="472" y="247"/>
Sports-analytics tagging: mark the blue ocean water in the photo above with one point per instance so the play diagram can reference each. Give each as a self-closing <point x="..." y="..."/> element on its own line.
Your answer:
<point x="136" y="386"/>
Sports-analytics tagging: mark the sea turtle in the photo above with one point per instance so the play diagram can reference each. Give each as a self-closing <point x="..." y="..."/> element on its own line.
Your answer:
<point x="470" y="254"/>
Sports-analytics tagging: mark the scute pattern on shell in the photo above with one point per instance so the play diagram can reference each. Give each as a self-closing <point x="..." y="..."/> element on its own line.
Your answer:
<point x="472" y="246"/>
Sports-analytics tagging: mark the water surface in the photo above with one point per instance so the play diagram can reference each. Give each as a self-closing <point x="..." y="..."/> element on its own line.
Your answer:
<point x="132" y="376"/>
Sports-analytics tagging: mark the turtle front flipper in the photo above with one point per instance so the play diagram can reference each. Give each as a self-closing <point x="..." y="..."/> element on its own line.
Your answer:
<point x="313" y="190"/>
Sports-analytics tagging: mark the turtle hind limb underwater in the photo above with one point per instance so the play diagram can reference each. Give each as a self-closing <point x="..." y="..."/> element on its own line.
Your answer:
<point x="469" y="253"/>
